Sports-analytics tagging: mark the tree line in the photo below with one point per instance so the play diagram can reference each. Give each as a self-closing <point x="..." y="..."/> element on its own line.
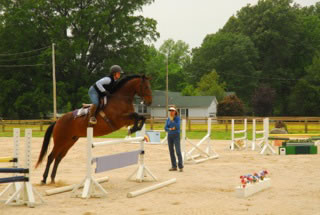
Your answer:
<point x="267" y="55"/>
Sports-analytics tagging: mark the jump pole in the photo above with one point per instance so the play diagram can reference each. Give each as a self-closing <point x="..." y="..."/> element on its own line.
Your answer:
<point x="71" y="187"/>
<point x="151" y="188"/>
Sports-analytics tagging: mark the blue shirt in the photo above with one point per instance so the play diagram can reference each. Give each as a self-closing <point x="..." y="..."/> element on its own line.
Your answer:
<point x="173" y="124"/>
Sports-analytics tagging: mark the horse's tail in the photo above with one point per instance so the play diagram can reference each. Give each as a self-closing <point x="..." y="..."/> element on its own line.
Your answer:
<point x="45" y="143"/>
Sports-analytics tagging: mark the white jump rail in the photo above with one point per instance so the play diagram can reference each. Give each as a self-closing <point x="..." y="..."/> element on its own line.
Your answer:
<point x="207" y="153"/>
<point x="234" y="144"/>
<point x="151" y="188"/>
<point x="71" y="187"/>
<point x="90" y="184"/>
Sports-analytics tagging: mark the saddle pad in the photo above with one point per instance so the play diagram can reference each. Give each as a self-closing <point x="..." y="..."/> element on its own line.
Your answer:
<point x="80" y="112"/>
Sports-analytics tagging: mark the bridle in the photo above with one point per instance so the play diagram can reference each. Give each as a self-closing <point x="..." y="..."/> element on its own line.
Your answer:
<point x="141" y="90"/>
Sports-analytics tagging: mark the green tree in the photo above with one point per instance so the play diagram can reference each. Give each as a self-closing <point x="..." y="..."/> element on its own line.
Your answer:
<point x="176" y="54"/>
<point x="286" y="37"/>
<point x="233" y="56"/>
<point x="209" y="85"/>
<point x="189" y="90"/>
<point x="305" y="97"/>
<point x="90" y="36"/>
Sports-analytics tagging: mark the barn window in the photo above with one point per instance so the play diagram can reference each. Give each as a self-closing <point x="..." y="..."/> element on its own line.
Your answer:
<point x="184" y="112"/>
<point x="142" y="108"/>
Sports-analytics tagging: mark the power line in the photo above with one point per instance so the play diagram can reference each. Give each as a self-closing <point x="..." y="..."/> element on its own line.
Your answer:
<point x="21" y="58"/>
<point x="28" y="65"/>
<point x="261" y="78"/>
<point x="18" y="53"/>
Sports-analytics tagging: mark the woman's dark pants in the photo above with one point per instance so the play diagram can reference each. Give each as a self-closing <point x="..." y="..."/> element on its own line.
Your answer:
<point x="174" y="142"/>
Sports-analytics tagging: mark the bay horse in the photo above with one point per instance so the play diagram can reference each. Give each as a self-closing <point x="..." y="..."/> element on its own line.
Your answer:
<point x="119" y="112"/>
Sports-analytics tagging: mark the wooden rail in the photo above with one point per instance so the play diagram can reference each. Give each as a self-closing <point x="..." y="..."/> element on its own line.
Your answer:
<point x="295" y="124"/>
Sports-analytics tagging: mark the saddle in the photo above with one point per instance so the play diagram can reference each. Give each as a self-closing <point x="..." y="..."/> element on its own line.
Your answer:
<point x="84" y="110"/>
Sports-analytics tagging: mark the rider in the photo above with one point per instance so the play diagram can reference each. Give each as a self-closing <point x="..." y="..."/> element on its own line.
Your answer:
<point x="102" y="89"/>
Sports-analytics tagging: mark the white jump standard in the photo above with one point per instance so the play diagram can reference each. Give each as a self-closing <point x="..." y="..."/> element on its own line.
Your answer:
<point x="105" y="163"/>
<point x="207" y="153"/>
<point x="234" y="143"/>
<point x="20" y="192"/>
<point x="262" y="142"/>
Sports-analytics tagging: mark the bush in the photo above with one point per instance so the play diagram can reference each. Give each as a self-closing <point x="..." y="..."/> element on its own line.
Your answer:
<point x="263" y="100"/>
<point x="231" y="106"/>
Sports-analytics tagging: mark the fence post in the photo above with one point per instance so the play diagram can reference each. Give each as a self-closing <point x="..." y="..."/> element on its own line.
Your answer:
<point x="41" y="126"/>
<point x="306" y="126"/>
<point x="226" y="121"/>
<point x="151" y="122"/>
<point x="189" y="125"/>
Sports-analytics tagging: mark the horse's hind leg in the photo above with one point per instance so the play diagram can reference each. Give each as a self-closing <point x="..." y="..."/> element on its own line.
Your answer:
<point x="58" y="159"/>
<point x="46" y="171"/>
<point x="55" y="167"/>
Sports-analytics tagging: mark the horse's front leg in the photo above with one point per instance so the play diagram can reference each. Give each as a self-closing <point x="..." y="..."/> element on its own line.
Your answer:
<point x="136" y="125"/>
<point x="142" y="120"/>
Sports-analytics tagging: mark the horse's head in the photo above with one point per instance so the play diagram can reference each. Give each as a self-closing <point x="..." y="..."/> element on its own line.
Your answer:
<point x="134" y="84"/>
<point x="144" y="90"/>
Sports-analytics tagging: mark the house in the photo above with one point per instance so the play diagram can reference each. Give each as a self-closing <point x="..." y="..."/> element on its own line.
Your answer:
<point x="188" y="106"/>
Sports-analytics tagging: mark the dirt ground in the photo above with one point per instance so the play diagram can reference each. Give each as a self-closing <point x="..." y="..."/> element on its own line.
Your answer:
<point x="205" y="188"/>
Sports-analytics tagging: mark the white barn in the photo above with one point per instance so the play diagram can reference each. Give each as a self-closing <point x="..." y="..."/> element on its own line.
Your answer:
<point x="189" y="106"/>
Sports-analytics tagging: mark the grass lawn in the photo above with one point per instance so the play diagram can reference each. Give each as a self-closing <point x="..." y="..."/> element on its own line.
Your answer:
<point x="197" y="130"/>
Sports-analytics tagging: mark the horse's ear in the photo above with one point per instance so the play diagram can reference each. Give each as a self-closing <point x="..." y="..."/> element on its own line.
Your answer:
<point x="144" y="77"/>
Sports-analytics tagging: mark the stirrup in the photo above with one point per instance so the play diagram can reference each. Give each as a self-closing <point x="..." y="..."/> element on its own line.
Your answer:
<point x="93" y="120"/>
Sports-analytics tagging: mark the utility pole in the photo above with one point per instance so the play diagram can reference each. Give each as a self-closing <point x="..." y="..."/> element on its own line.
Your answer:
<point x="167" y="87"/>
<point x="54" y="84"/>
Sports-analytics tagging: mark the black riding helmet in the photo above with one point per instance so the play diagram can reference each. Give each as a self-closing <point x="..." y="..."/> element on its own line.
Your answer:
<point x="114" y="69"/>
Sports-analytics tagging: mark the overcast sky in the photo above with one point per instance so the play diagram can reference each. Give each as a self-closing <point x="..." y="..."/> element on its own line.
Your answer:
<point x="192" y="20"/>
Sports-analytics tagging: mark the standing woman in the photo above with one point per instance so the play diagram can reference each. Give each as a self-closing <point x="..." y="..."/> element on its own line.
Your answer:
<point x="173" y="128"/>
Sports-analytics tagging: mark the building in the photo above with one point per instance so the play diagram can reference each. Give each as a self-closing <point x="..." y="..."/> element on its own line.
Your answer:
<point x="188" y="106"/>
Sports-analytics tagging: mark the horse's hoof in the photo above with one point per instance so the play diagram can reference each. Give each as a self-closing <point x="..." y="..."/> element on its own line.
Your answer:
<point x="53" y="182"/>
<point x="42" y="183"/>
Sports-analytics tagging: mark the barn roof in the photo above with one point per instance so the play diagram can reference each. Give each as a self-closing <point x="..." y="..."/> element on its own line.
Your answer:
<point x="176" y="98"/>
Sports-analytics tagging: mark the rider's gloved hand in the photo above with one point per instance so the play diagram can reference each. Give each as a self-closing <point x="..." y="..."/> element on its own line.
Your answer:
<point x="106" y="93"/>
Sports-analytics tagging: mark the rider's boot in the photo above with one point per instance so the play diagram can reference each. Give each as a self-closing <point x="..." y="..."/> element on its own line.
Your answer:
<point x="92" y="115"/>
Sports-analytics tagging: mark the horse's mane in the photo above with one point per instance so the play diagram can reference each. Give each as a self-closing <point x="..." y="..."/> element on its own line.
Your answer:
<point x="119" y="84"/>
